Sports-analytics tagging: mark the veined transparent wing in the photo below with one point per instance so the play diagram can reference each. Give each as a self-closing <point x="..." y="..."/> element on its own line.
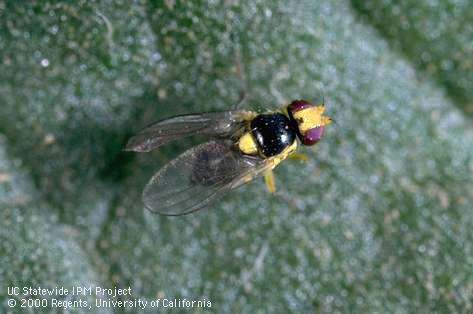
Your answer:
<point x="212" y="124"/>
<point x="199" y="176"/>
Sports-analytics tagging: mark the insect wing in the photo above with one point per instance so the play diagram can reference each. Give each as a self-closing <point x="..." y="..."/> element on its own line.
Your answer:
<point x="212" y="124"/>
<point x="199" y="176"/>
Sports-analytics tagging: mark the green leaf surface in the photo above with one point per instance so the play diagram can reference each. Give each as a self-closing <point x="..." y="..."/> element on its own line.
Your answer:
<point x="35" y="250"/>
<point x="436" y="36"/>
<point x="379" y="219"/>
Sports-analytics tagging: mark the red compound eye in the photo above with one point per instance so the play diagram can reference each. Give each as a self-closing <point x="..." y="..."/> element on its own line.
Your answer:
<point x="313" y="135"/>
<point x="297" y="105"/>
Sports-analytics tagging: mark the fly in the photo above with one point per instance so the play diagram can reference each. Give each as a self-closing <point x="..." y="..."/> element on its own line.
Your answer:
<point x="241" y="146"/>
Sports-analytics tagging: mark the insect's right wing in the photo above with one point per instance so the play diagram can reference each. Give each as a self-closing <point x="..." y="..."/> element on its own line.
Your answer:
<point x="199" y="176"/>
<point x="212" y="124"/>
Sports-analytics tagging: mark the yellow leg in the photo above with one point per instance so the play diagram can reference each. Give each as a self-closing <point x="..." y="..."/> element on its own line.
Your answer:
<point x="269" y="180"/>
<point x="299" y="156"/>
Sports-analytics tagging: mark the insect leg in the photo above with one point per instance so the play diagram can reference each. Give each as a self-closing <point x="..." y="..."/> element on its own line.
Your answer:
<point x="240" y="72"/>
<point x="243" y="98"/>
<point x="269" y="180"/>
<point x="299" y="156"/>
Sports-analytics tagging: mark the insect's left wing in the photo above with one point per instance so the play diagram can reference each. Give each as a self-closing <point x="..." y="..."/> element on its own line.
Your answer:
<point x="199" y="176"/>
<point x="212" y="124"/>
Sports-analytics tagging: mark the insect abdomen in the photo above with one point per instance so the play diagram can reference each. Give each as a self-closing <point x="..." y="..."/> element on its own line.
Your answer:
<point x="272" y="132"/>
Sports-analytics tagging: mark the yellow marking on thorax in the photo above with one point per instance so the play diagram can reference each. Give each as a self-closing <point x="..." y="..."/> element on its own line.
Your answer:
<point x="310" y="117"/>
<point x="247" y="115"/>
<point x="276" y="160"/>
<point x="247" y="144"/>
<point x="272" y="163"/>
